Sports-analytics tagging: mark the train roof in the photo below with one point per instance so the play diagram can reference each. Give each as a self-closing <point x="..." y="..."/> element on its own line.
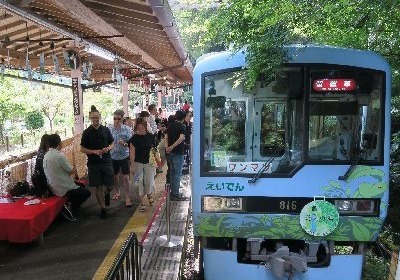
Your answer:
<point x="310" y="54"/>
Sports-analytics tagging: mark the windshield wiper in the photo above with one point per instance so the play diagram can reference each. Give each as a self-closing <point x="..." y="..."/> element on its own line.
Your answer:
<point x="352" y="166"/>
<point x="265" y="166"/>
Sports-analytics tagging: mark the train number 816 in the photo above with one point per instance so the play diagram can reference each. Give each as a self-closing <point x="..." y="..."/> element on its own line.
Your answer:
<point x="288" y="205"/>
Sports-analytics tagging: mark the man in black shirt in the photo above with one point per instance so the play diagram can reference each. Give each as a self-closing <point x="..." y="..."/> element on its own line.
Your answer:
<point x="96" y="143"/>
<point x="175" y="148"/>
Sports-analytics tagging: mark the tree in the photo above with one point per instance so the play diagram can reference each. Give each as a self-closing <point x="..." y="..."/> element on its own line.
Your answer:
<point x="104" y="102"/>
<point x="53" y="101"/>
<point x="34" y="120"/>
<point x="265" y="26"/>
<point x="193" y="20"/>
<point x="10" y="105"/>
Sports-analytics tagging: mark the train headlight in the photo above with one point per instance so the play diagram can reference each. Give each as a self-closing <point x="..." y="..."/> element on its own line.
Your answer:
<point x="358" y="206"/>
<point x="344" y="205"/>
<point x="222" y="204"/>
<point x="364" y="206"/>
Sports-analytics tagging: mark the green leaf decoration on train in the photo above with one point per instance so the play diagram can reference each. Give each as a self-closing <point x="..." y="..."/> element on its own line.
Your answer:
<point x="284" y="227"/>
<point x="342" y="232"/>
<point x="365" y="231"/>
<point x="280" y="227"/>
<point x="364" y="190"/>
<point x="336" y="189"/>
<point x="215" y="226"/>
<point x="362" y="170"/>
<point x="371" y="190"/>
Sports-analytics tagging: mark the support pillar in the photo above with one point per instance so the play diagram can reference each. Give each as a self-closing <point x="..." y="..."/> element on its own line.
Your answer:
<point x="125" y="95"/>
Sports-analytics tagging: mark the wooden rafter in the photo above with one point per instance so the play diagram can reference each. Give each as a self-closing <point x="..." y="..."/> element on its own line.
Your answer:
<point x="145" y="42"/>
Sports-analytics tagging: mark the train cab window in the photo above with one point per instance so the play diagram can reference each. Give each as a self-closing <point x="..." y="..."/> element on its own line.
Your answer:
<point x="345" y="120"/>
<point x="246" y="131"/>
<point x="224" y="122"/>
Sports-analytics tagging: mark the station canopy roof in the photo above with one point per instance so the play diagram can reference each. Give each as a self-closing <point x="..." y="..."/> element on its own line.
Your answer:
<point x="139" y="37"/>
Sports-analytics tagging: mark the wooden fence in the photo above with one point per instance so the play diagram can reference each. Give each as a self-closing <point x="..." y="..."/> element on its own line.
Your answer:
<point x="19" y="168"/>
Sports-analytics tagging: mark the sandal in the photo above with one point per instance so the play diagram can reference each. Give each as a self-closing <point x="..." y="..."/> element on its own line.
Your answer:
<point x="151" y="200"/>
<point x="142" y="208"/>
<point x="128" y="204"/>
<point x="116" y="196"/>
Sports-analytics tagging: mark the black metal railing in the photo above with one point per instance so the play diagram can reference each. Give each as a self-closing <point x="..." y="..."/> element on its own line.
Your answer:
<point x="127" y="264"/>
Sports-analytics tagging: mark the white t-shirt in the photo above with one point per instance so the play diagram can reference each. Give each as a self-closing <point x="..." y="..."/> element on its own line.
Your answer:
<point x="57" y="168"/>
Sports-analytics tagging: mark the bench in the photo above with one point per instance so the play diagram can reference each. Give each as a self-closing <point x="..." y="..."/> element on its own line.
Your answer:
<point x="26" y="223"/>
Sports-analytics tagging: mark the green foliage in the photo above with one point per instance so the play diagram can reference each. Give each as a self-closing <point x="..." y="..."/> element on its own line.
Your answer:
<point x="229" y="136"/>
<point x="375" y="267"/>
<point x="390" y="238"/>
<point x="34" y="120"/>
<point x="263" y="27"/>
<point x="229" y="128"/>
<point x="104" y="102"/>
<point x="193" y="27"/>
<point x="255" y="25"/>
<point x="11" y="101"/>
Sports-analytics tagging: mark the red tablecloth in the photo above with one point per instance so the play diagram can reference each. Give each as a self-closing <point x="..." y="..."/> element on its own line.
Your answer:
<point x="24" y="223"/>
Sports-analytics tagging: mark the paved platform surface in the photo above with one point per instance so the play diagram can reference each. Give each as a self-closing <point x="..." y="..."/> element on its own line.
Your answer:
<point x="82" y="249"/>
<point x="162" y="253"/>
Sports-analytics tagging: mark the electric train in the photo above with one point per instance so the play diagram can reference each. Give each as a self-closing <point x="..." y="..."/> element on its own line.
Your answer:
<point x="290" y="180"/>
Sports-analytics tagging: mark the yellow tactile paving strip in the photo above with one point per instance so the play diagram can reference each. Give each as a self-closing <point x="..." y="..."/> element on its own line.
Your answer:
<point x="138" y="224"/>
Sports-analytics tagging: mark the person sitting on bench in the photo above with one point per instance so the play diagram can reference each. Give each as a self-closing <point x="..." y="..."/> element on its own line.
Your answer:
<point x="59" y="174"/>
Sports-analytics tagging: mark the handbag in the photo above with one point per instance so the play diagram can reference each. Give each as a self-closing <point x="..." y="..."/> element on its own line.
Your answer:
<point x="40" y="186"/>
<point x="19" y="189"/>
<point x="161" y="150"/>
<point x="154" y="157"/>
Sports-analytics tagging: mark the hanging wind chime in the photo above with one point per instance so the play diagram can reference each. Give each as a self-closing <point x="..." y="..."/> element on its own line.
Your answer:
<point x="66" y="59"/>
<point x="55" y="59"/>
<point x="5" y="43"/>
<point x="117" y="72"/>
<point x="41" y="57"/>
<point x="89" y="70"/>
<point x="85" y="70"/>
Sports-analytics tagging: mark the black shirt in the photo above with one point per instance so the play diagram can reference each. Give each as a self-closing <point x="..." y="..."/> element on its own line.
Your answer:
<point x="142" y="144"/>
<point x="188" y="132"/>
<point x="174" y="130"/>
<point x="97" y="139"/>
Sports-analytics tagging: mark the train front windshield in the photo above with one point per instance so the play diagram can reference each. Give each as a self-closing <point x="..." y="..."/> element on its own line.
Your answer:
<point x="309" y="114"/>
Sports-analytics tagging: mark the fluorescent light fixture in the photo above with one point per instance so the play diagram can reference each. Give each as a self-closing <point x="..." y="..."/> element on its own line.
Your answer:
<point x="100" y="52"/>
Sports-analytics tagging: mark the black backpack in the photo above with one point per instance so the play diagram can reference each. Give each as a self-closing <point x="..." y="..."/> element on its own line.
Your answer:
<point x="40" y="187"/>
<point x="20" y="189"/>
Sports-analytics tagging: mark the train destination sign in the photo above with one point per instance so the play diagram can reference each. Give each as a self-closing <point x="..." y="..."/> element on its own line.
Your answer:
<point x="334" y="85"/>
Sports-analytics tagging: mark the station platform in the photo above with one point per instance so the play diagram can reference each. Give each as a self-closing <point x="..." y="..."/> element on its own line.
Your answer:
<point x="87" y="248"/>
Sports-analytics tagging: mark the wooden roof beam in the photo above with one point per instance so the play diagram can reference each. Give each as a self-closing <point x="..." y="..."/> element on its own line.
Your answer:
<point x="128" y="5"/>
<point x="92" y="21"/>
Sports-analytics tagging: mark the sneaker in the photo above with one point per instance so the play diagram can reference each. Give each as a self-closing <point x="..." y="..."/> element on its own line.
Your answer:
<point x="159" y="171"/>
<point x="107" y="198"/>
<point x="103" y="213"/>
<point x="142" y="208"/>
<point x="67" y="213"/>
